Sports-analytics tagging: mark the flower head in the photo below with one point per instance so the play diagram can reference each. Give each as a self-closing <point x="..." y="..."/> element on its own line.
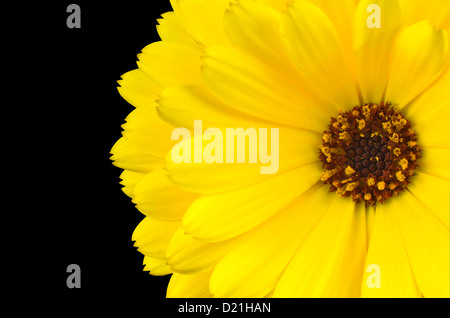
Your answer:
<point x="348" y="96"/>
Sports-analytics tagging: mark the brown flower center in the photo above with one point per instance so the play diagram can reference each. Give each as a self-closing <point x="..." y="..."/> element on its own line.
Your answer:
<point x="369" y="153"/>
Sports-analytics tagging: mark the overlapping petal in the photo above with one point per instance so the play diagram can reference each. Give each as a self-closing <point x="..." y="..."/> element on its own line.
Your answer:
<point x="228" y="214"/>
<point x="373" y="46"/>
<point x="433" y="131"/>
<point x="154" y="196"/>
<point x="245" y="82"/>
<point x="152" y="236"/>
<point x="170" y="28"/>
<point x="332" y="252"/>
<point x="182" y="105"/>
<point x="156" y="266"/>
<point x="188" y="255"/>
<point x="137" y="88"/>
<point x="189" y="286"/>
<point x="295" y="150"/>
<point x="171" y="63"/>
<point x="427" y="243"/>
<point x="419" y="57"/>
<point x="203" y="20"/>
<point x="315" y="48"/>
<point x="387" y="254"/>
<point x="436" y="11"/>
<point x="145" y="141"/>
<point x="253" y="268"/>
<point x="433" y="192"/>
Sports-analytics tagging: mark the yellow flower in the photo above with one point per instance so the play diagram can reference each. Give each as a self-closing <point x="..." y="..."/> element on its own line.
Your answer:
<point x="227" y="229"/>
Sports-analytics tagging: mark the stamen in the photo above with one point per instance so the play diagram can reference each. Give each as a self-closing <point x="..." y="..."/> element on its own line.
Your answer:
<point x="369" y="153"/>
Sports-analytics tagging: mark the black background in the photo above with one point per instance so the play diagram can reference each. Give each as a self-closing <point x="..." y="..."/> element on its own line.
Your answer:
<point x="70" y="194"/>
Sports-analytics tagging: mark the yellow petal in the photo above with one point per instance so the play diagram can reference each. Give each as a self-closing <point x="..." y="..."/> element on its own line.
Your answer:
<point x="373" y="46"/>
<point x="225" y="215"/>
<point x="296" y="148"/>
<point x="252" y="86"/>
<point x="253" y="268"/>
<point x="127" y="155"/>
<point x="203" y="19"/>
<point x="255" y="27"/>
<point x="315" y="48"/>
<point x="182" y="105"/>
<point x="213" y="178"/>
<point x="209" y="177"/>
<point x="433" y="132"/>
<point x="171" y="63"/>
<point x="156" y="266"/>
<point x="436" y="11"/>
<point x="427" y="243"/>
<point x="156" y="196"/>
<point x="370" y="221"/>
<point x="146" y="139"/>
<point x="432" y="100"/>
<point x="435" y="162"/>
<point x="435" y="172"/>
<point x="148" y="133"/>
<point x="347" y="283"/>
<point x="321" y="260"/>
<point x="187" y="255"/>
<point x="340" y="14"/>
<point x="152" y="237"/>
<point x="189" y="286"/>
<point x="279" y="5"/>
<point x="433" y="192"/>
<point x="171" y="29"/>
<point x="129" y="181"/>
<point x="137" y="88"/>
<point x="387" y="259"/>
<point x="419" y="57"/>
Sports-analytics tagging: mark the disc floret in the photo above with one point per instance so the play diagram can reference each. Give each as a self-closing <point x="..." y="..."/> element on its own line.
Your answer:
<point x="369" y="153"/>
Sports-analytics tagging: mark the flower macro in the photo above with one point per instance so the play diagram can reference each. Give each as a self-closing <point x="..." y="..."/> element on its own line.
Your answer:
<point x="357" y="92"/>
